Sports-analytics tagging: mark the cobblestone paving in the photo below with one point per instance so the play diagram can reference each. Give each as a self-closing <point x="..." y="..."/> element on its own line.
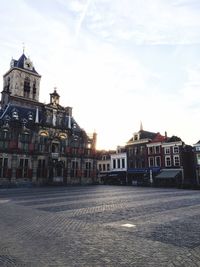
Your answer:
<point x="99" y="226"/>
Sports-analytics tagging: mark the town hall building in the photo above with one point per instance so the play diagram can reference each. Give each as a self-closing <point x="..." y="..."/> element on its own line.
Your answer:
<point x="40" y="143"/>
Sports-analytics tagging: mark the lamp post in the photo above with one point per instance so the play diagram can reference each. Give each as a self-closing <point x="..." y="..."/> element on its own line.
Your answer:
<point x="151" y="177"/>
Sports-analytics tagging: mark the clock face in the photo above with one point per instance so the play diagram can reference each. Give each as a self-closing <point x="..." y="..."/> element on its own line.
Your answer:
<point x="28" y="64"/>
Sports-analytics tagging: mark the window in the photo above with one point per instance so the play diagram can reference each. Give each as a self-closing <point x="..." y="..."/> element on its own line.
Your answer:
<point x="176" y="161"/>
<point x="150" y="150"/>
<point x="24" y="147"/>
<point x="176" y="149"/>
<point x="62" y="146"/>
<point x="108" y="167"/>
<point x="130" y="151"/>
<point x="136" y="150"/>
<point x="74" y="169"/>
<point x="34" y="90"/>
<point x="100" y="168"/>
<point x="104" y="167"/>
<point x="27" y="87"/>
<point x="157" y="162"/>
<point x="157" y="149"/>
<point x="167" y="161"/>
<point x="55" y="148"/>
<point x="114" y="164"/>
<point x="25" y="137"/>
<point x="3" y="167"/>
<point x="88" y="166"/>
<point x="23" y="168"/>
<point x="43" y="144"/>
<point x="167" y="150"/>
<point x="118" y="163"/>
<point x="4" y="135"/>
<point x="123" y="163"/>
<point x="151" y="161"/>
<point x="41" y="171"/>
<point x="198" y="159"/>
<point x="142" y="149"/>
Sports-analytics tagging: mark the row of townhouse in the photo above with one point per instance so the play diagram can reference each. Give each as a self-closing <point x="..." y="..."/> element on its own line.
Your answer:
<point x="150" y="158"/>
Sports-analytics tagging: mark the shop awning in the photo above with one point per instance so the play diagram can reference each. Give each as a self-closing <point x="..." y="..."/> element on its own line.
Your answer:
<point x="113" y="174"/>
<point x="168" y="174"/>
<point x="137" y="170"/>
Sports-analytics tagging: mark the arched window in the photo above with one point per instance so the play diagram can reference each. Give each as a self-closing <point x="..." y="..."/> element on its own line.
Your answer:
<point x="26" y="87"/>
<point x="43" y="141"/>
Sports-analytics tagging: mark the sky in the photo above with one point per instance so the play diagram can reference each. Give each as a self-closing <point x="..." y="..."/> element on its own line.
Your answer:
<point x="117" y="63"/>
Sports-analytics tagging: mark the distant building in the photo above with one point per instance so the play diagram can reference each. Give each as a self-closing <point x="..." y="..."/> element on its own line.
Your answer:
<point x="155" y="159"/>
<point x="103" y="165"/>
<point x="197" y="161"/>
<point x="112" y="167"/>
<point x="174" y="160"/>
<point x="40" y="143"/>
<point x="137" y="160"/>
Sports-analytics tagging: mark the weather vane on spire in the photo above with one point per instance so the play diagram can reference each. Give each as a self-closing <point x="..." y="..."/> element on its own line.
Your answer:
<point x="23" y="47"/>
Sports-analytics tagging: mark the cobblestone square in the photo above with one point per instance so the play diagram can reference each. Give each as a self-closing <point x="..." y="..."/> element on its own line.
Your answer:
<point x="99" y="226"/>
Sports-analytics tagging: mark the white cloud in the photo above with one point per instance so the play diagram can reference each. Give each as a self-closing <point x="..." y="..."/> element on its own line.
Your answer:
<point x="143" y="21"/>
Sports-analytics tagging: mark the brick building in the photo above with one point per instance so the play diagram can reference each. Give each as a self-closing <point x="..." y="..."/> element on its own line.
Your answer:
<point x="40" y="143"/>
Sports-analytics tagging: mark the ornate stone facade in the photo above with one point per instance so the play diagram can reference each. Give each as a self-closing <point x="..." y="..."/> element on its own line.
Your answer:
<point x="40" y="143"/>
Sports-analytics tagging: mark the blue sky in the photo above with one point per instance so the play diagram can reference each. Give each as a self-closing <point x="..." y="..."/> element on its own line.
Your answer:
<point x="115" y="62"/>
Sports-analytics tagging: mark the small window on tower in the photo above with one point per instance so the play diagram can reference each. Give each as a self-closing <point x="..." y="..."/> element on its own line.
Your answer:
<point x="27" y="87"/>
<point x="34" y="88"/>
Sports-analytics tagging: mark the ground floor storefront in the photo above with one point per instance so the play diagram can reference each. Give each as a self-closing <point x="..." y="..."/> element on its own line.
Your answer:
<point x="23" y="169"/>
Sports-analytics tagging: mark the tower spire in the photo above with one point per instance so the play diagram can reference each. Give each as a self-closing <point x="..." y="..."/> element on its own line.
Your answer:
<point x="141" y="126"/>
<point x="23" y="47"/>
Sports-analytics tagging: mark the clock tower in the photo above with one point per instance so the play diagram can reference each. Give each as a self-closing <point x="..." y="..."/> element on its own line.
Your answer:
<point x="21" y="81"/>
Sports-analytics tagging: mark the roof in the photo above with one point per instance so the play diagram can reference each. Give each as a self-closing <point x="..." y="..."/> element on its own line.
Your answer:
<point x="168" y="174"/>
<point x="20" y="63"/>
<point x="198" y="143"/>
<point x="173" y="139"/>
<point x="144" y="135"/>
<point x="26" y="114"/>
<point x="54" y="93"/>
<point x="158" y="138"/>
<point x="23" y="113"/>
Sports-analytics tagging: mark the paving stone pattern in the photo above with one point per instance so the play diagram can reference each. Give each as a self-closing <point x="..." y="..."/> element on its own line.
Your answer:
<point x="84" y="226"/>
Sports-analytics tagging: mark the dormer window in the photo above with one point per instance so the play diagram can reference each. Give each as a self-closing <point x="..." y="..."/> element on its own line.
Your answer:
<point x="15" y="115"/>
<point x="30" y="116"/>
<point x="136" y="137"/>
